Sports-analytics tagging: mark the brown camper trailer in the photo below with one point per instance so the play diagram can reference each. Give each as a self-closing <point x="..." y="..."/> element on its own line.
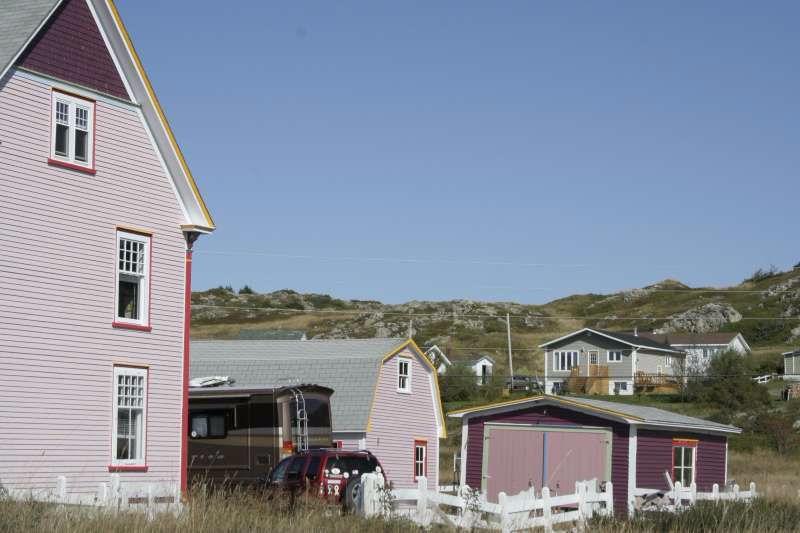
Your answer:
<point x="236" y="435"/>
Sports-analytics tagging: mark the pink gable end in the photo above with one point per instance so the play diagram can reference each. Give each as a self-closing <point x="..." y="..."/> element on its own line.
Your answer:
<point x="399" y="419"/>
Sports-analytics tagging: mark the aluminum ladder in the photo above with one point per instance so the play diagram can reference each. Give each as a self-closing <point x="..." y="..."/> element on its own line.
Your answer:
<point x="301" y="420"/>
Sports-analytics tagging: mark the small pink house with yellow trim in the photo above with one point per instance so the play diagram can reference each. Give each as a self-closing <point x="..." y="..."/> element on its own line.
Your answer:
<point x="99" y="213"/>
<point x="385" y="400"/>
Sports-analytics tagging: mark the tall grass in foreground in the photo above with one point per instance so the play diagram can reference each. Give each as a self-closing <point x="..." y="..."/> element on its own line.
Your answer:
<point x="762" y="516"/>
<point x="237" y="511"/>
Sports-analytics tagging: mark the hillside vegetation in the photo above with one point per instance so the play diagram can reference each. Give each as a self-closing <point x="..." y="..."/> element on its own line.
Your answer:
<point x="765" y="308"/>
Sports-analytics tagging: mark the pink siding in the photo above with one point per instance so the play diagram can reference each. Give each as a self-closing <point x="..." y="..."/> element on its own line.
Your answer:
<point x="57" y="275"/>
<point x="398" y="419"/>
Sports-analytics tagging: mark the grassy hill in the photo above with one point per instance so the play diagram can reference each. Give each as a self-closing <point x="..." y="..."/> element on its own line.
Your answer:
<point x="765" y="308"/>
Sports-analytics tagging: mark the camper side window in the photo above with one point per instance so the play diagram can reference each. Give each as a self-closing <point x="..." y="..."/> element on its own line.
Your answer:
<point x="208" y="426"/>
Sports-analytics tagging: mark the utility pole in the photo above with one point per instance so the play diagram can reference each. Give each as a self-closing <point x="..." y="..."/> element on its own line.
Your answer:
<point x="510" y="358"/>
<point x="411" y="328"/>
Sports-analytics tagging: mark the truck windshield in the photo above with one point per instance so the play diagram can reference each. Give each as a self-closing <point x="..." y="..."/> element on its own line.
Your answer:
<point x="357" y="465"/>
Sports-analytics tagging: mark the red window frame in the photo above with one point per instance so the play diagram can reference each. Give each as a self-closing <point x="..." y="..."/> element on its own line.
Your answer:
<point x="424" y="445"/>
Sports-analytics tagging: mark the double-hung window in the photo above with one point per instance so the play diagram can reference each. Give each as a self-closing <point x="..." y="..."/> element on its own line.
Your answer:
<point x="133" y="272"/>
<point x="403" y="374"/>
<point x="565" y="360"/>
<point x="72" y="132"/>
<point x="684" y="460"/>
<point x="420" y="459"/>
<point x="614" y="356"/>
<point x="130" y="416"/>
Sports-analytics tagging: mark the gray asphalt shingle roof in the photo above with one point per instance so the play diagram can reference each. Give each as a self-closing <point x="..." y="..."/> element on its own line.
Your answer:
<point x="634" y="414"/>
<point x="19" y="19"/>
<point x="349" y="367"/>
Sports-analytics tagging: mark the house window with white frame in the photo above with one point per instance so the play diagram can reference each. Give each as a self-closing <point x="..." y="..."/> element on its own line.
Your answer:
<point x="403" y="374"/>
<point x="684" y="457"/>
<point x="72" y="132"/>
<point x="420" y="459"/>
<point x="620" y="387"/>
<point x="130" y="415"/>
<point x="614" y="356"/>
<point x="565" y="360"/>
<point x="133" y="272"/>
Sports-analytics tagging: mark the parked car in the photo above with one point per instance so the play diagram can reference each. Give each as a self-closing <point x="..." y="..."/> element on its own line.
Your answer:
<point x="332" y="474"/>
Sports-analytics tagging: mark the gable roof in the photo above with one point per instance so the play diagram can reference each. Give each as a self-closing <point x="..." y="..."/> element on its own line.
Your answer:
<point x="719" y="337"/>
<point x="441" y="355"/>
<point x="480" y="357"/>
<point x="637" y="341"/>
<point x="350" y="367"/>
<point x="22" y="20"/>
<point x="793" y="353"/>
<point x="627" y="413"/>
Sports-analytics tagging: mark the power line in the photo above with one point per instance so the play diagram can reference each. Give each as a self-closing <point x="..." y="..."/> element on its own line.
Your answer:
<point x="445" y="315"/>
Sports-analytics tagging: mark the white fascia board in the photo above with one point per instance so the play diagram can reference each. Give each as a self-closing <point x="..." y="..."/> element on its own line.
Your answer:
<point x="190" y="203"/>
<point x="622" y="341"/>
<point x="660" y="426"/>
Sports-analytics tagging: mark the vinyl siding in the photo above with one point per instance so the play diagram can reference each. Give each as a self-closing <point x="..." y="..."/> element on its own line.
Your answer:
<point x="398" y="419"/>
<point x="552" y="416"/>
<point x="654" y="457"/>
<point x="585" y="343"/>
<point x="57" y="281"/>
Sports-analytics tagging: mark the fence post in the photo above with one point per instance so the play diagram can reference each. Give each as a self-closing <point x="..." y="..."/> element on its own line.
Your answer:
<point x="581" y="496"/>
<point x="547" y="512"/>
<point x="735" y="492"/>
<point x="693" y="488"/>
<point x="677" y="494"/>
<point x="715" y="492"/>
<point x="609" y="498"/>
<point x="115" y="491"/>
<point x="752" y="489"/>
<point x="502" y="500"/>
<point x="422" y="499"/>
<point x="61" y="489"/>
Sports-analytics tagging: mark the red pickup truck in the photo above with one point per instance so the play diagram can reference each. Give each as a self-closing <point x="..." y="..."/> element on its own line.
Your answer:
<point x="332" y="474"/>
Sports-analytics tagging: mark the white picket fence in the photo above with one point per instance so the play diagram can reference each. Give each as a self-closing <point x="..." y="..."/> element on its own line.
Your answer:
<point x="468" y="509"/>
<point x="148" y="497"/>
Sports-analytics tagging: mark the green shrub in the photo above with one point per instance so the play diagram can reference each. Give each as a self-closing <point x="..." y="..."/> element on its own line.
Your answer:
<point x="246" y="290"/>
<point x="729" y="387"/>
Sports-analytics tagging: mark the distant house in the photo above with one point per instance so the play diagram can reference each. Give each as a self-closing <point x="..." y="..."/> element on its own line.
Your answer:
<point x="554" y="441"/>
<point x="483" y="366"/>
<point x="701" y="348"/>
<point x="609" y="362"/>
<point x="100" y="213"/>
<point x="438" y="359"/>
<point x="272" y="335"/>
<point x="791" y="365"/>
<point x="386" y="392"/>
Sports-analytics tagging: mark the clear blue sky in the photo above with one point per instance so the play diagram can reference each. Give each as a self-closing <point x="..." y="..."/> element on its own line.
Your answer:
<point x="520" y="150"/>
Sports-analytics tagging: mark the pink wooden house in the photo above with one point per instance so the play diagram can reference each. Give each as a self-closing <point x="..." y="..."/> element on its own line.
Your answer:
<point x="99" y="213"/>
<point x="385" y="400"/>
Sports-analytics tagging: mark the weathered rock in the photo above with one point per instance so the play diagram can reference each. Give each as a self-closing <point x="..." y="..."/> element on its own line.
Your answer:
<point x="703" y="319"/>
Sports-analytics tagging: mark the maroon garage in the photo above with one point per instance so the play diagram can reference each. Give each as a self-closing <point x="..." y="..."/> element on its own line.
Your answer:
<point x="554" y="441"/>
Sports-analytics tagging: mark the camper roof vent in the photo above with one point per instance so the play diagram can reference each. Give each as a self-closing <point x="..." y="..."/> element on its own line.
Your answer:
<point x="210" y="381"/>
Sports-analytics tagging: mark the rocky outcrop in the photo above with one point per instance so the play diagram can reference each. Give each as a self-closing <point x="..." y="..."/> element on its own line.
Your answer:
<point x="703" y="319"/>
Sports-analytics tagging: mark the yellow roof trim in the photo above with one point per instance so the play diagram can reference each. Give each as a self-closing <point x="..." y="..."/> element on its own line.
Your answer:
<point x="554" y="399"/>
<point x="160" y="112"/>
<point x="421" y="354"/>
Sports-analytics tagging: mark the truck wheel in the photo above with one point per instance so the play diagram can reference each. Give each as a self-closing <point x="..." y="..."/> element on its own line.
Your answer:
<point x="351" y="495"/>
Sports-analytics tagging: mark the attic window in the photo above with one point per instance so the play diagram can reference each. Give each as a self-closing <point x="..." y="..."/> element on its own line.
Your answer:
<point x="72" y="135"/>
<point x="403" y="375"/>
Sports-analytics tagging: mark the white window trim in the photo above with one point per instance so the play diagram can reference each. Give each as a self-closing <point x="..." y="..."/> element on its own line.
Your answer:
<point x="407" y="388"/>
<point x="694" y="461"/>
<point x="615" y="360"/>
<point x="72" y="102"/>
<point x="572" y="355"/>
<point x="144" y="315"/>
<point x="424" y="446"/>
<point x="129" y="371"/>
